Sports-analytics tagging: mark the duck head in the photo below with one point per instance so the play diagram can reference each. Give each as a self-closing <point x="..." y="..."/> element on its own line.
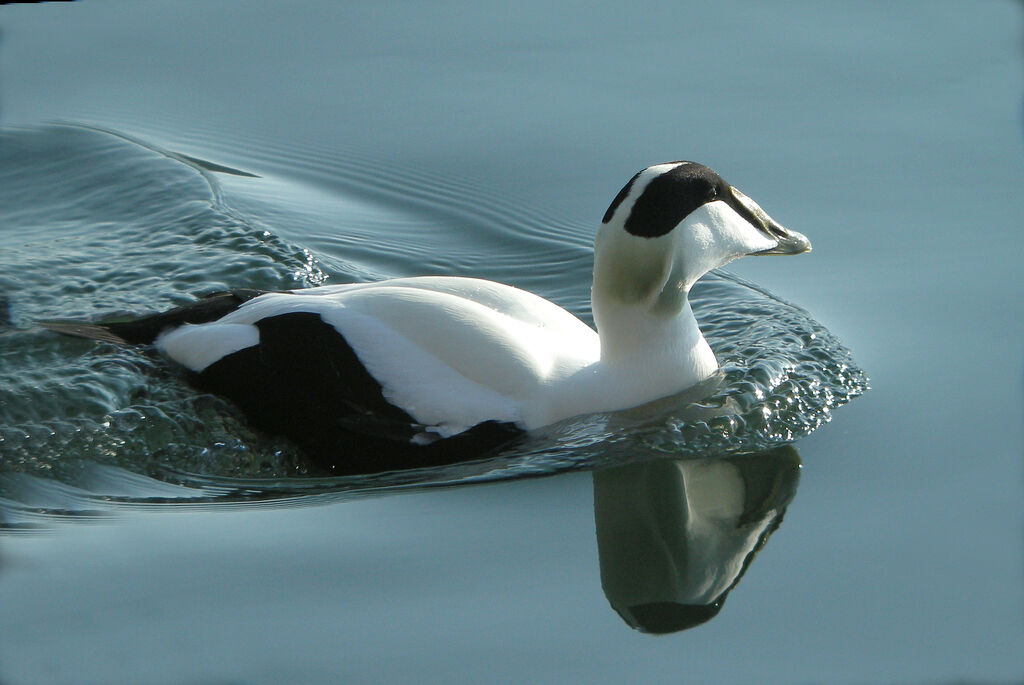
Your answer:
<point x="671" y="224"/>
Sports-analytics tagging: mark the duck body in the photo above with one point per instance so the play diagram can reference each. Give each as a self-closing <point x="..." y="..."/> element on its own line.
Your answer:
<point x="451" y="352"/>
<point x="415" y="371"/>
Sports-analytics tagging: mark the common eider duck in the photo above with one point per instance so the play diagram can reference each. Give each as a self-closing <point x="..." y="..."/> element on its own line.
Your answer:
<point x="416" y="371"/>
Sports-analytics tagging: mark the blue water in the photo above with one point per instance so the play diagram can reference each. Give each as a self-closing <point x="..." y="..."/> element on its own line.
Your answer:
<point x="153" y="538"/>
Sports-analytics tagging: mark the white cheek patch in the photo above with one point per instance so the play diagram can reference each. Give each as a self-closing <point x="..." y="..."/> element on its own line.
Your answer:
<point x="736" y="235"/>
<point x="196" y="346"/>
<point x="703" y="238"/>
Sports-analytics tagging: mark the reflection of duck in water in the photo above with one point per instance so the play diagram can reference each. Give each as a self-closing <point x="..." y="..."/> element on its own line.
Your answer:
<point x="674" y="537"/>
<point x="420" y="370"/>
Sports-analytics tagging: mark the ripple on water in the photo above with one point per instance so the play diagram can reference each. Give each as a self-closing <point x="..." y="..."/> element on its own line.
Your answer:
<point x="93" y="223"/>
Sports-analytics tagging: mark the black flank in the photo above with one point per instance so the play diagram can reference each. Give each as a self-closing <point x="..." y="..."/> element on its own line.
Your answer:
<point x="305" y="382"/>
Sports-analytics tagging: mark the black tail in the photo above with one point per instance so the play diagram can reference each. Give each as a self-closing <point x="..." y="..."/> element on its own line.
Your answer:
<point x="92" y="331"/>
<point x="144" y="330"/>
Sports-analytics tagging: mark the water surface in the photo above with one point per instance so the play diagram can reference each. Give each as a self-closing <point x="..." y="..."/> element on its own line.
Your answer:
<point x="449" y="138"/>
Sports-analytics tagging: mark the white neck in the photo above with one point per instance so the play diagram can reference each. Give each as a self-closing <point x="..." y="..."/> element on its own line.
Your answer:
<point x="644" y="356"/>
<point x="630" y="334"/>
<point x="658" y="352"/>
<point x="651" y="345"/>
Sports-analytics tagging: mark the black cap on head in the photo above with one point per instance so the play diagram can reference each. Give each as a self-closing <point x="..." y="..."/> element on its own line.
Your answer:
<point x="669" y="197"/>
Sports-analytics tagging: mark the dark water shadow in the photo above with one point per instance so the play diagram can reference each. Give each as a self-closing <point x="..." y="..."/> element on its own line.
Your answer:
<point x="675" y="537"/>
